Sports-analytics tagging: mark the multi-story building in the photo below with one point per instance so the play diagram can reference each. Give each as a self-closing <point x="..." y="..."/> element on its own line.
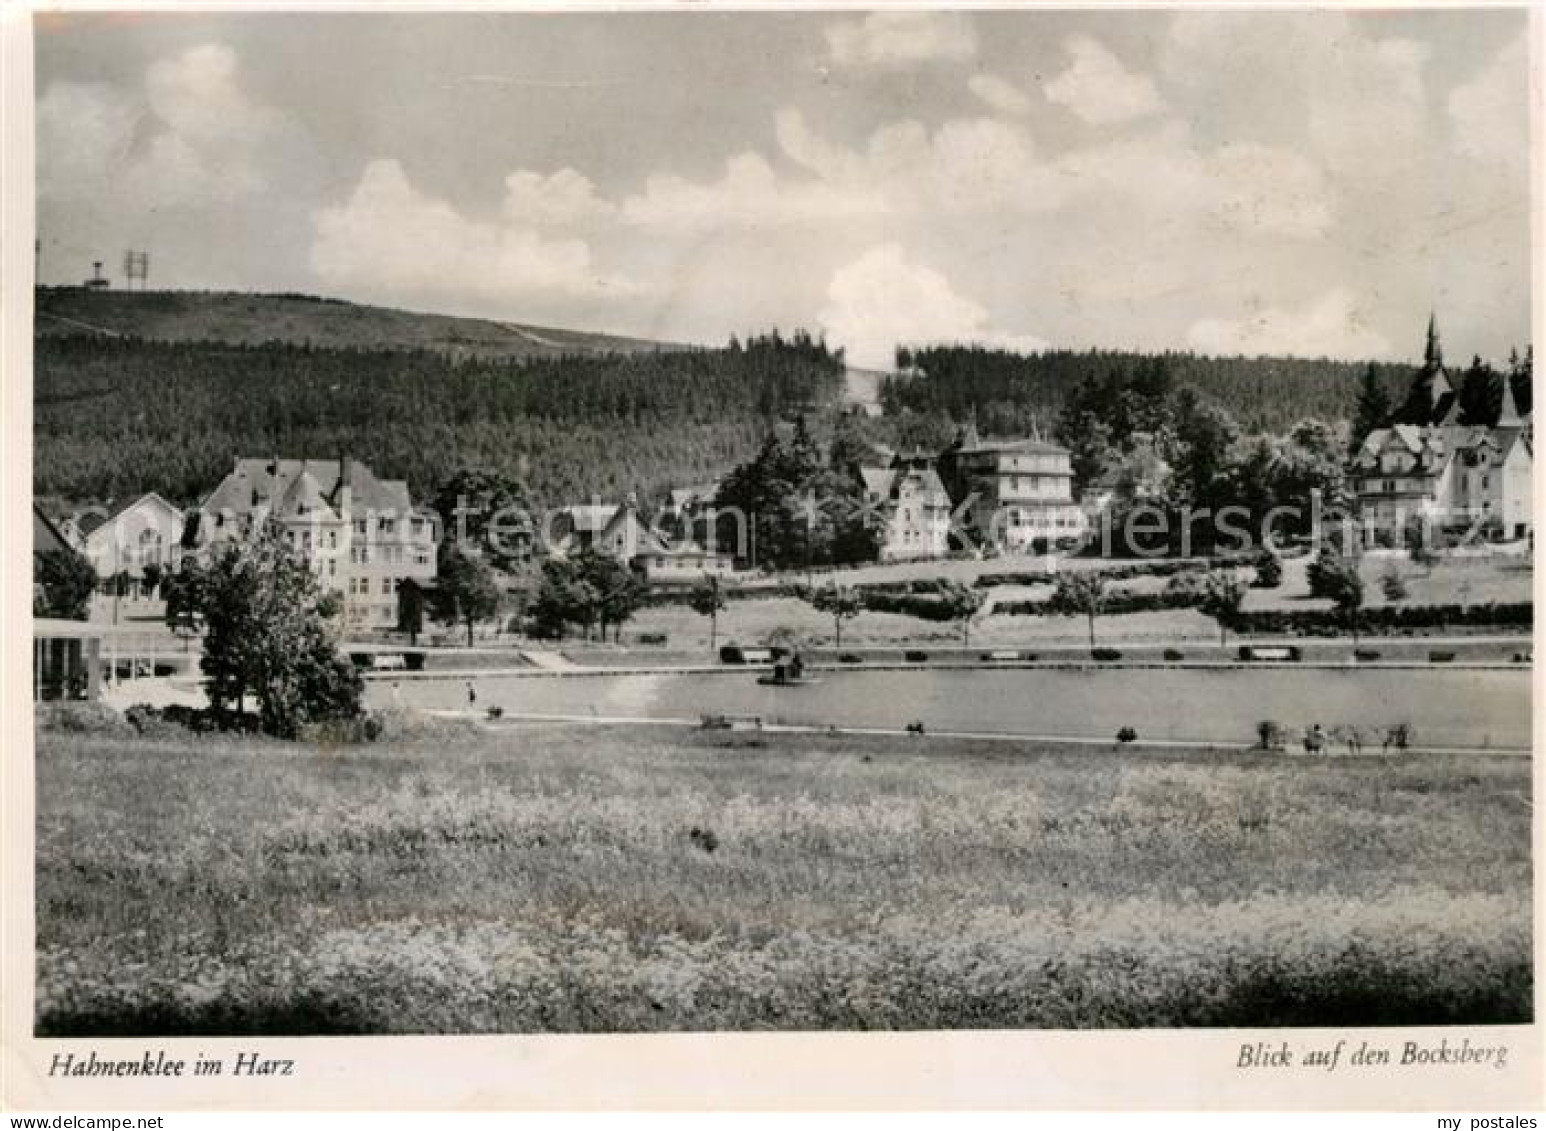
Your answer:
<point x="912" y="505"/>
<point x="361" y="535"/>
<point x="123" y="540"/>
<point x="1016" y="495"/>
<point x="1430" y="467"/>
<point x="1453" y="477"/>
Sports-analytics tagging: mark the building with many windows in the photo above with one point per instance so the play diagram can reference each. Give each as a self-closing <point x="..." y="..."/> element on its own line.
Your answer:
<point x="1015" y="495"/>
<point x="123" y="540"/>
<point x="912" y="507"/>
<point x="360" y="534"/>
<point x="1435" y="465"/>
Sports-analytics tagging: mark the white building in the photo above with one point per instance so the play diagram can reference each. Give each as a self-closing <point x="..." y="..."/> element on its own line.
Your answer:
<point x="361" y="535"/>
<point x="124" y="539"/>
<point x="913" y="507"/>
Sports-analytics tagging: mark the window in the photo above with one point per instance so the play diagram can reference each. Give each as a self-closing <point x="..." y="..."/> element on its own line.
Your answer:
<point x="360" y="527"/>
<point x="388" y="525"/>
<point x="386" y="586"/>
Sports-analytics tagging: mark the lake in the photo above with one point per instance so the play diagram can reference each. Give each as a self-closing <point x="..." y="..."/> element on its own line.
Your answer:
<point x="1474" y="709"/>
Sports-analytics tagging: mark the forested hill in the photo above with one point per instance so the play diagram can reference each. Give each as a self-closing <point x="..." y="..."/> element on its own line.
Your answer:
<point x="118" y="416"/>
<point x="257" y="319"/>
<point x="1010" y="392"/>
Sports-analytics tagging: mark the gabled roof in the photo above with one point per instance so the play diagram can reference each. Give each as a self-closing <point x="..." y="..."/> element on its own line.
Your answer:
<point x="1437" y="444"/>
<point x="685" y="549"/>
<point x="45" y="535"/>
<point x="593" y="518"/>
<point x="255" y="483"/>
<point x="93" y="521"/>
<point x="877" y="480"/>
<point x="646" y="539"/>
<point x="302" y="498"/>
<point x="926" y="478"/>
<point x="683" y="497"/>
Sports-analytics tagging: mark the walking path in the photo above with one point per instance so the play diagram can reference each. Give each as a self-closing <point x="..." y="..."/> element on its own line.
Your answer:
<point x="510" y="718"/>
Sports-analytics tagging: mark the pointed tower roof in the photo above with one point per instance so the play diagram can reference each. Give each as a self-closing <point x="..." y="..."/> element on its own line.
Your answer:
<point x="969" y="437"/>
<point x="1508" y="415"/>
<point x="1433" y="353"/>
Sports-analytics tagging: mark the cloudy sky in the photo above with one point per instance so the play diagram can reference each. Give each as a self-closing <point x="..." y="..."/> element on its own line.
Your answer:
<point x="1307" y="183"/>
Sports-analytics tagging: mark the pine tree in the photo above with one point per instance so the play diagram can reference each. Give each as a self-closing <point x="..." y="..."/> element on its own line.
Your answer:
<point x="1373" y="408"/>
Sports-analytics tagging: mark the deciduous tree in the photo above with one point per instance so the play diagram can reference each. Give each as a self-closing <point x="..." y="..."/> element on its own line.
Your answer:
<point x="708" y="599"/>
<point x="840" y="602"/>
<point x="1081" y="593"/>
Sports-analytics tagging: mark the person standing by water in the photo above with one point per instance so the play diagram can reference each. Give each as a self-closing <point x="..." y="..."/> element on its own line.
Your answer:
<point x="472" y="694"/>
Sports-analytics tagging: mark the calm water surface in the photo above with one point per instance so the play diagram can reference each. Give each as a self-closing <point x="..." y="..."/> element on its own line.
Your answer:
<point x="1445" y="707"/>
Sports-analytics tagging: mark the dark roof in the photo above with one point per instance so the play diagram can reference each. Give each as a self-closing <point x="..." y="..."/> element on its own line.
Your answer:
<point x="285" y="485"/>
<point x="1031" y="447"/>
<point x="45" y="535"/>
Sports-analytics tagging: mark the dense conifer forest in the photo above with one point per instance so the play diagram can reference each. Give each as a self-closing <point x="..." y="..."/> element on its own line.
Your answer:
<point x="118" y="416"/>
<point x="1011" y="393"/>
<point x="117" y="413"/>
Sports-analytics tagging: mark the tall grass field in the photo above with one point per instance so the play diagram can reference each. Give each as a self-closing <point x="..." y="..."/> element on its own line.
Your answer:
<point x="592" y="879"/>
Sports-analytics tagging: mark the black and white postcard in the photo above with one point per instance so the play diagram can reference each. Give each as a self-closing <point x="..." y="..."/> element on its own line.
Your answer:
<point x="770" y="557"/>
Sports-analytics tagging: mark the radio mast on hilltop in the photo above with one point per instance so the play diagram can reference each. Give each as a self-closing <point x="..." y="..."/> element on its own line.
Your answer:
<point x="136" y="265"/>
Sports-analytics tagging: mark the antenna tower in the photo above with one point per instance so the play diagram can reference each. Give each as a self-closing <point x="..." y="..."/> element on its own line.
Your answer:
<point x="136" y="265"/>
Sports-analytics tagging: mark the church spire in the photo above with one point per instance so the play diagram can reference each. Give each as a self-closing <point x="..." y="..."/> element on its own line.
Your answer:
<point x="1508" y="415"/>
<point x="1433" y="355"/>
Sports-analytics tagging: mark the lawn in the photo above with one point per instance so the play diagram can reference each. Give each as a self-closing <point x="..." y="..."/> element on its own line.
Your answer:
<point x="600" y="879"/>
<point x="1461" y="580"/>
<point x="750" y="621"/>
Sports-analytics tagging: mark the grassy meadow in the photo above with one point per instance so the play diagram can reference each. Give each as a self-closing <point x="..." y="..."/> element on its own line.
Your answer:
<point x="556" y="879"/>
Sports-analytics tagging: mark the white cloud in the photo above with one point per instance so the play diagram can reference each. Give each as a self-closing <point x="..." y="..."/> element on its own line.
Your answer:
<point x="881" y="300"/>
<point x="1246" y="189"/>
<point x="189" y="136"/>
<point x="390" y="239"/>
<point x="1319" y="80"/>
<point x="1000" y="94"/>
<point x="901" y="39"/>
<point x="749" y="196"/>
<point x="1099" y="89"/>
<point x="968" y="165"/>
<point x="83" y="134"/>
<point x="1335" y="325"/>
<point x="1490" y="114"/>
<point x="564" y="197"/>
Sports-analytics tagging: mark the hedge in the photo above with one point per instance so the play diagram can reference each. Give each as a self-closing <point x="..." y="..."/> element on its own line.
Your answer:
<point x="1116" y="604"/>
<point x="1384" y="618"/>
<point x="1121" y="571"/>
<point x="908" y="604"/>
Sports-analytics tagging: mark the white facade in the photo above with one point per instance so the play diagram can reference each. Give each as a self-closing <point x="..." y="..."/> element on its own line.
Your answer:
<point x="1453" y="477"/>
<point x="360" y="535"/>
<point x="146" y="532"/>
